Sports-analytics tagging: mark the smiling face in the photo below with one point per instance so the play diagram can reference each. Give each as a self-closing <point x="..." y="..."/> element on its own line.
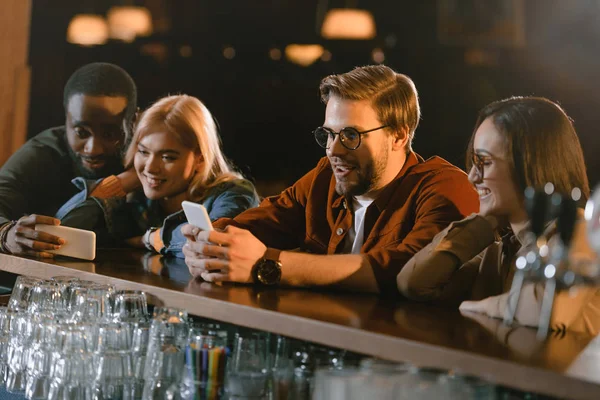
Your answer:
<point x="95" y="134"/>
<point x="165" y="167"/>
<point x="499" y="194"/>
<point x="378" y="159"/>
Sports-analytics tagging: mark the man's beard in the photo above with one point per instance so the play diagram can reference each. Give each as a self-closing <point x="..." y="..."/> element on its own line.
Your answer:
<point x="112" y="166"/>
<point x="368" y="177"/>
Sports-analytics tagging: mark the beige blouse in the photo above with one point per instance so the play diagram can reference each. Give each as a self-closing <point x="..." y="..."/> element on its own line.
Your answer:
<point x="466" y="261"/>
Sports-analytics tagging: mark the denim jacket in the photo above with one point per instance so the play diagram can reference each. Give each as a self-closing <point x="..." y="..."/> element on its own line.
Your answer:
<point x="118" y="218"/>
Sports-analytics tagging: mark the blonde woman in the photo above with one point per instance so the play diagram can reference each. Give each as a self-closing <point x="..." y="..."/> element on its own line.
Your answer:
<point x="175" y="155"/>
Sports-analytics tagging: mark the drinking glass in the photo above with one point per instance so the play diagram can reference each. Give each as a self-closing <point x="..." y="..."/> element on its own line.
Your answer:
<point x="91" y="302"/>
<point x="248" y="367"/>
<point x="42" y="344"/>
<point x="130" y="306"/>
<point x="335" y="384"/>
<point x="17" y="351"/>
<point x="282" y="367"/>
<point x="6" y="315"/>
<point x="205" y="361"/>
<point x="46" y="298"/>
<point x="66" y="284"/>
<point x="164" y="365"/>
<point x="19" y="298"/>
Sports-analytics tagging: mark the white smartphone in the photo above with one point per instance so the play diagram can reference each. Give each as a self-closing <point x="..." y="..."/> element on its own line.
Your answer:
<point x="79" y="242"/>
<point x="197" y="215"/>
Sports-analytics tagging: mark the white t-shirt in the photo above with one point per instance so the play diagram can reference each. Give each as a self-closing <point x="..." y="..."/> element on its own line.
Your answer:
<point x="355" y="237"/>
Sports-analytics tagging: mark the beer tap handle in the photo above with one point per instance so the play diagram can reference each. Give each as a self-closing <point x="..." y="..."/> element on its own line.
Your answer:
<point x="566" y="212"/>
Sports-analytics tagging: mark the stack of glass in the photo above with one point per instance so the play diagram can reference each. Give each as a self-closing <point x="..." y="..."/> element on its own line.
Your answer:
<point x="66" y="338"/>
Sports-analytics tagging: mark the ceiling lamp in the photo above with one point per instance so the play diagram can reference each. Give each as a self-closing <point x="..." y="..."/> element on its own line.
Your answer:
<point x="303" y="54"/>
<point x="87" y="30"/>
<point x="348" y="23"/>
<point x="127" y="22"/>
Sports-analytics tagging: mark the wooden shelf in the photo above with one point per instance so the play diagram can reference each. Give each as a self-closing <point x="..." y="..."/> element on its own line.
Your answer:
<point x="563" y="366"/>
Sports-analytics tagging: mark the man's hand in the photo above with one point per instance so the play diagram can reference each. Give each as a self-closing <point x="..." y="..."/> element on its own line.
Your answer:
<point x="24" y="240"/>
<point x="222" y="256"/>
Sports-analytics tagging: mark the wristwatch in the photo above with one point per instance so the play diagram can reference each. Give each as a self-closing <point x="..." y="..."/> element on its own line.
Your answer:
<point x="267" y="270"/>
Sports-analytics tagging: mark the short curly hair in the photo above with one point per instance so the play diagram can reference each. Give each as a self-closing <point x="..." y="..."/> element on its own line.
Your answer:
<point x="103" y="79"/>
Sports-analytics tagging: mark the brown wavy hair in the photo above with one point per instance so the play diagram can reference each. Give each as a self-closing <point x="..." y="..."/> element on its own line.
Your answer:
<point x="540" y="141"/>
<point x="394" y="96"/>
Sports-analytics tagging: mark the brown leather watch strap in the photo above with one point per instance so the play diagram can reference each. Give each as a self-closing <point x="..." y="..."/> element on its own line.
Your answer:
<point x="272" y="254"/>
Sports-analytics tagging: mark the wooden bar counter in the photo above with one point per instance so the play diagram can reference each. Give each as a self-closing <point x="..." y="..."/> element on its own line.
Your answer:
<point x="564" y="366"/>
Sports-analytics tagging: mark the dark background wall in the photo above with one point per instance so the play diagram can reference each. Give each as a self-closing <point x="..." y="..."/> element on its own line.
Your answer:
<point x="267" y="109"/>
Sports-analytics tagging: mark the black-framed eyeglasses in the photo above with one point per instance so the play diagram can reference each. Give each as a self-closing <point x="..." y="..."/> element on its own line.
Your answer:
<point x="350" y="137"/>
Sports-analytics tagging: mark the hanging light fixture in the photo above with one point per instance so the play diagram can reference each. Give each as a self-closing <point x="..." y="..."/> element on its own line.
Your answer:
<point x="87" y="30"/>
<point x="303" y="54"/>
<point x="348" y="23"/>
<point x="127" y="22"/>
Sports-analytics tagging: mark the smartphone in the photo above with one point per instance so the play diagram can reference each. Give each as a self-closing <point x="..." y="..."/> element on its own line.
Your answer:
<point x="79" y="242"/>
<point x="197" y="215"/>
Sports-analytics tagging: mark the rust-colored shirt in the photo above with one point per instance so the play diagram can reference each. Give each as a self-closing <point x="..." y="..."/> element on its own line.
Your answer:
<point x="423" y="199"/>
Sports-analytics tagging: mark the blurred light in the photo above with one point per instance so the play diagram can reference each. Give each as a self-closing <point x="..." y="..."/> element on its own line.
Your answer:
<point x="185" y="51"/>
<point x="127" y="22"/>
<point x="576" y="194"/>
<point x="229" y="52"/>
<point x="326" y="56"/>
<point x="348" y="23"/>
<point x="87" y="30"/>
<point x="390" y="41"/>
<point x="158" y="51"/>
<point x="549" y="188"/>
<point x="479" y="57"/>
<point x="275" y="54"/>
<point x="549" y="271"/>
<point x="303" y="54"/>
<point x="377" y="55"/>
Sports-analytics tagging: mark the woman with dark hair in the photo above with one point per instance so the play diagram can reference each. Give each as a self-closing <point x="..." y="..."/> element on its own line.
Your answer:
<point x="517" y="143"/>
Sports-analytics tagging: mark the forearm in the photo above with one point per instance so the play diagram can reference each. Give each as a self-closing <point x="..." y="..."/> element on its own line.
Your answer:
<point x="346" y="271"/>
<point x="445" y="266"/>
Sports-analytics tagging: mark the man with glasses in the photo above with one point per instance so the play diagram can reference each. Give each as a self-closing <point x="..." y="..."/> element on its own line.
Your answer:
<point x="359" y="215"/>
<point x="100" y="101"/>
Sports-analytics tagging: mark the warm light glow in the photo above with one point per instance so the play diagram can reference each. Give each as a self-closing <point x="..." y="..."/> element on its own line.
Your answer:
<point x="127" y="22"/>
<point x="378" y="55"/>
<point x="87" y="30"/>
<point x="229" y="52"/>
<point x="303" y="54"/>
<point x="275" y="54"/>
<point x="348" y="23"/>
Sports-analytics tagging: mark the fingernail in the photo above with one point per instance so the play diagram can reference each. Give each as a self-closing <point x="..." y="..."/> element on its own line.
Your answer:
<point x="62" y="241"/>
<point x="56" y="247"/>
<point x="195" y="231"/>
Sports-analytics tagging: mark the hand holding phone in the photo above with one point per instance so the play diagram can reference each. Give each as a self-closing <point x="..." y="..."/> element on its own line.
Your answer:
<point x="197" y="215"/>
<point x="80" y="243"/>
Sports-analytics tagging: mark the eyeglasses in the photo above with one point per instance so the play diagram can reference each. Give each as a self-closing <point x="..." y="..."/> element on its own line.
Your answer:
<point x="350" y="137"/>
<point x="479" y="163"/>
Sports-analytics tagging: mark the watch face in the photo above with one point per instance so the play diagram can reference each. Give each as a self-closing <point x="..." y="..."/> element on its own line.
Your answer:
<point x="268" y="272"/>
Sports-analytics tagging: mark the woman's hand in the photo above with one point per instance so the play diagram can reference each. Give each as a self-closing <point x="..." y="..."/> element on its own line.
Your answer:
<point x="129" y="180"/>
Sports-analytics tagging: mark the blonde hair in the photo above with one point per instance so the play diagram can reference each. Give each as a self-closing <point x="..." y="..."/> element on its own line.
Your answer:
<point x="188" y="119"/>
<point x="393" y="96"/>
